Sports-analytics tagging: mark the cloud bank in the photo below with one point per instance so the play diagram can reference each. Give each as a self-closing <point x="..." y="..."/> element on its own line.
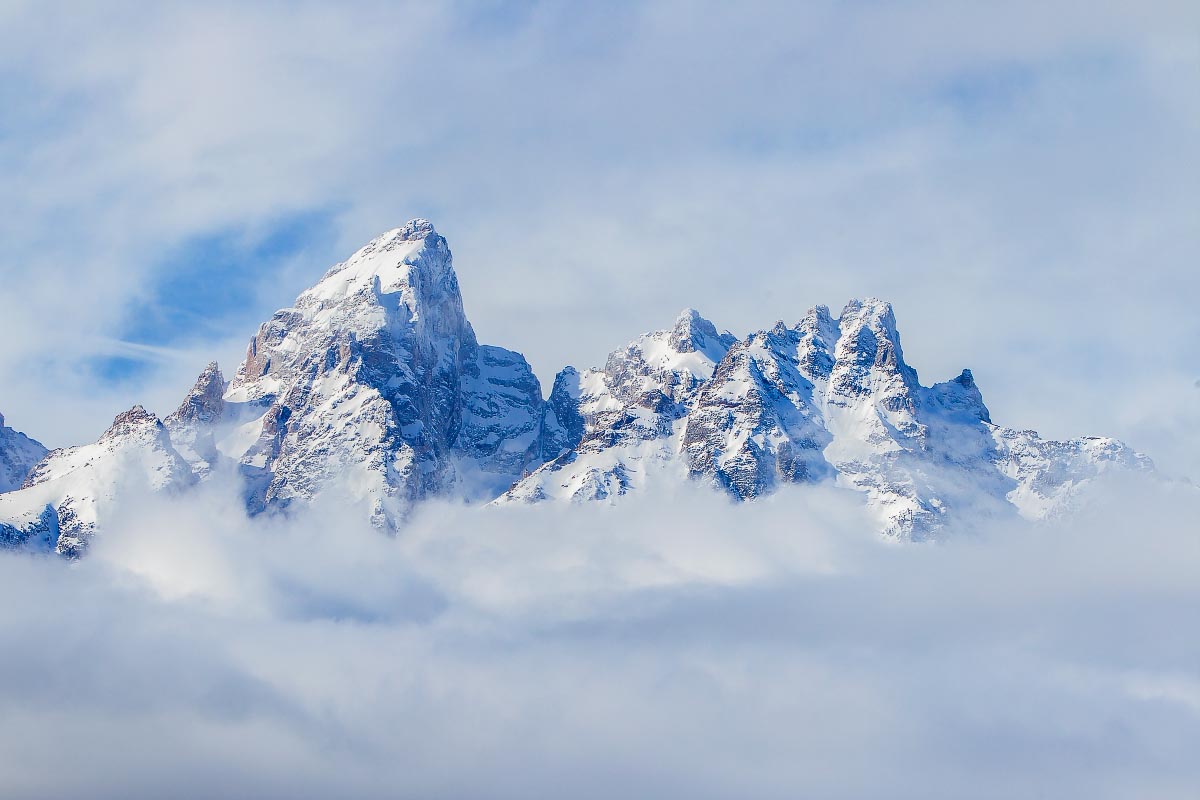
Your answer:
<point x="672" y="645"/>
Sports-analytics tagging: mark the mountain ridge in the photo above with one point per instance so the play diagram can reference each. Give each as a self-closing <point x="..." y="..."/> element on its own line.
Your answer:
<point x="372" y="385"/>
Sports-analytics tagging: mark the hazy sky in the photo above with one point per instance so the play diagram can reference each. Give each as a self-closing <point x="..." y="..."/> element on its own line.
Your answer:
<point x="1022" y="180"/>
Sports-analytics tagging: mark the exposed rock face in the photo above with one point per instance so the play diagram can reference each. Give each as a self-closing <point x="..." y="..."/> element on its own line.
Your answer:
<point x="18" y="455"/>
<point x="823" y="400"/>
<point x="65" y="495"/>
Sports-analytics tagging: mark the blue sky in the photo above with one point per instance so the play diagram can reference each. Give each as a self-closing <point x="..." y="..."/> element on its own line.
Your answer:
<point x="1020" y="180"/>
<point x="207" y="283"/>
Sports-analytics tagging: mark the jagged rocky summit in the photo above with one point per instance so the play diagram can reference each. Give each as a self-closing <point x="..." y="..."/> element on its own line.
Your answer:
<point x="824" y="400"/>
<point x="373" y="386"/>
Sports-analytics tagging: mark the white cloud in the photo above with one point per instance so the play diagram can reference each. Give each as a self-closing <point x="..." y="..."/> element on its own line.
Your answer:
<point x="667" y="646"/>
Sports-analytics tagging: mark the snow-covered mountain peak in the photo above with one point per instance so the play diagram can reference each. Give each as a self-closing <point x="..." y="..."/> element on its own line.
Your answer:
<point x="415" y="229"/>
<point x="398" y="294"/>
<point x="404" y="276"/>
<point x="870" y="316"/>
<point x="374" y="382"/>
<point x="687" y="352"/>
<point x="826" y="399"/>
<point x="868" y="328"/>
<point x="61" y="502"/>
<point x="872" y="308"/>
<point x="130" y="423"/>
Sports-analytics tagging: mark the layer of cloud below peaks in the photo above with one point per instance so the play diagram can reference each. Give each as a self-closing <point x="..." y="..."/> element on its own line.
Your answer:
<point x="674" y="647"/>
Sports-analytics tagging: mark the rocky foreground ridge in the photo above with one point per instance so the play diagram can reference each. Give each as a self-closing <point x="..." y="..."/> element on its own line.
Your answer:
<point x="373" y="386"/>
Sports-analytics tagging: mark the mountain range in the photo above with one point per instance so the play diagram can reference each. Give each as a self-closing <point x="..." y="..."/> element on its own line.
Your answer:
<point x="373" y="387"/>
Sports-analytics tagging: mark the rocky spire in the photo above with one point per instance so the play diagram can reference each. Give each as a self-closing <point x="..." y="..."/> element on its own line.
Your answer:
<point x="204" y="404"/>
<point x="192" y="426"/>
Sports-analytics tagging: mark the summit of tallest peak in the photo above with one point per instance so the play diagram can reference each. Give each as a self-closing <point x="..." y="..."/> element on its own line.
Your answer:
<point x="416" y="229"/>
<point x="387" y="264"/>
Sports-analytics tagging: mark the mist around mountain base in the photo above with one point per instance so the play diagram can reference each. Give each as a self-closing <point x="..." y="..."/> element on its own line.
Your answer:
<point x="672" y="645"/>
